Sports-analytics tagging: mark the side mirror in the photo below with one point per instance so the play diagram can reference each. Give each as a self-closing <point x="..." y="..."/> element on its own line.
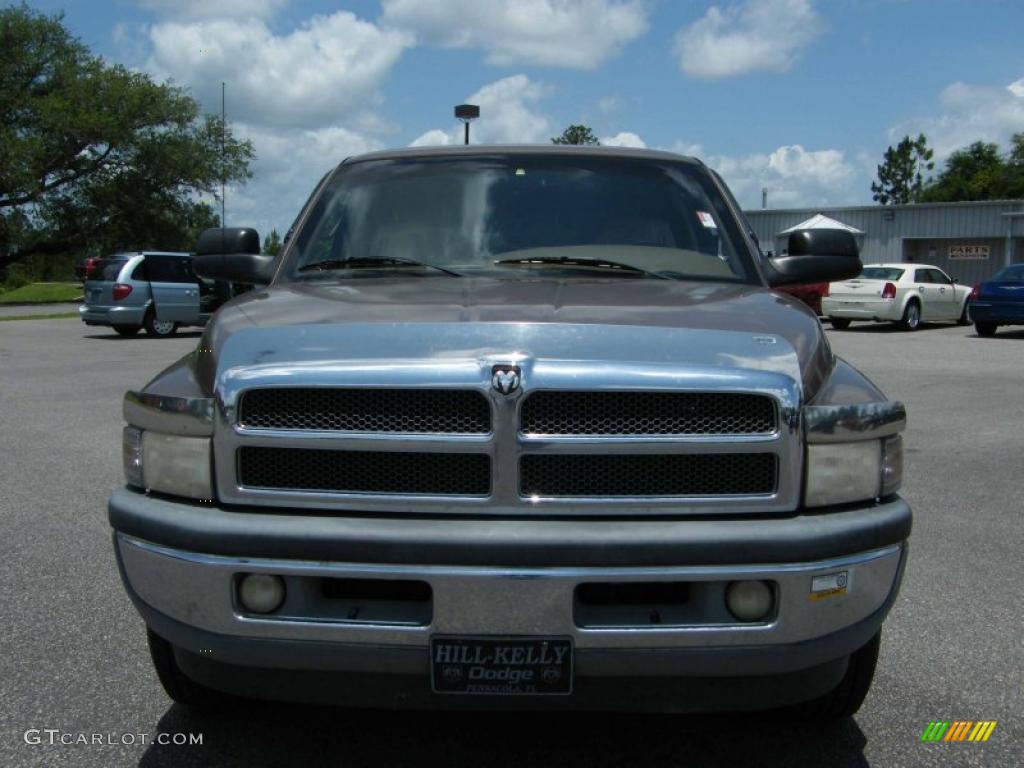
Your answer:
<point x="233" y="255"/>
<point x="815" y="256"/>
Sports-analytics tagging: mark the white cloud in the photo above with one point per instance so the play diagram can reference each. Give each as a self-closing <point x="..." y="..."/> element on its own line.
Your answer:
<point x="289" y="163"/>
<point x="969" y="113"/>
<point x="624" y="139"/>
<point x="506" y="116"/>
<point x="327" y="70"/>
<point x="224" y="9"/>
<point x="795" y="177"/>
<point x="579" y="34"/>
<point x="745" y="37"/>
<point x="435" y="137"/>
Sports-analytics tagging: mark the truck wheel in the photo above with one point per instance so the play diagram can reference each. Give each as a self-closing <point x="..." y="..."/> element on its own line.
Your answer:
<point x="985" y="329"/>
<point x="176" y="683"/>
<point x="127" y="330"/>
<point x="845" y="699"/>
<point x="839" y="323"/>
<point x="159" y="328"/>
<point x="911" y="316"/>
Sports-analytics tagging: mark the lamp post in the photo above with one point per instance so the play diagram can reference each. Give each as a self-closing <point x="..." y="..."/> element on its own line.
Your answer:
<point x="467" y="113"/>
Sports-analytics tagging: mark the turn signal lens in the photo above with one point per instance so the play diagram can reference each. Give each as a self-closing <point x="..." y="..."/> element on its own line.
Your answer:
<point x="889" y="291"/>
<point x="121" y="291"/>
<point x="892" y="465"/>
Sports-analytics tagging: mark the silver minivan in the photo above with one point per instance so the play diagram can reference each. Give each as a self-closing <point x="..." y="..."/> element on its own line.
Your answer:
<point x="155" y="290"/>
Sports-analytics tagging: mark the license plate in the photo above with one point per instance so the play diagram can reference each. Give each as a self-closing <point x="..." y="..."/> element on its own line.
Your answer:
<point x="501" y="666"/>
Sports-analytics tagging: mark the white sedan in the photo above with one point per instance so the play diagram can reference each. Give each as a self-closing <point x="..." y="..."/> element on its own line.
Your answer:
<point x="903" y="293"/>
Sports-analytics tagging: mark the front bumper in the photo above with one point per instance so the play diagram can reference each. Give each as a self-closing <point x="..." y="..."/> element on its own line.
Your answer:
<point x="867" y="309"/>
<point x="179" y="563"/>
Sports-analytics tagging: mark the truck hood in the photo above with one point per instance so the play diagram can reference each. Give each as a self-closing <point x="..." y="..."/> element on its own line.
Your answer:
<point x="620" y="321"/>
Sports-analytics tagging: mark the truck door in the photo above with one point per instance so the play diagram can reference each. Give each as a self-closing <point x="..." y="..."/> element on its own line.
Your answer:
<point x="174" y="289"/>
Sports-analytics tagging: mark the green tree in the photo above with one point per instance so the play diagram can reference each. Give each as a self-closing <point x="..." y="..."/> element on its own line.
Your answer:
<point x="976" y="172"/>
<point x="95" y="157"/>
<point x="272" y="243"/>
<point x="1015" y="167"/>
<point x="576" y="134"/>
<point x="901" y="174"/>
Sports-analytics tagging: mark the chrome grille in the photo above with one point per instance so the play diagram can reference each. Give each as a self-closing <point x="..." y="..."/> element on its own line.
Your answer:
<point x="440" y="411"/>
<point x="647" y="413"/>
<point x="638" y="475"/>
<point x="386" y="472"/>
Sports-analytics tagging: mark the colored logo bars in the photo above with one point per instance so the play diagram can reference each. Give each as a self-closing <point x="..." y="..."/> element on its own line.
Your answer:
<point x="958" y="730"/>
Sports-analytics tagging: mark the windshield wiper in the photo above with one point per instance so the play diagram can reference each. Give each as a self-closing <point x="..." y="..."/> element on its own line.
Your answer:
<point x="357" y="262"/>
<point x="571" y="261"/>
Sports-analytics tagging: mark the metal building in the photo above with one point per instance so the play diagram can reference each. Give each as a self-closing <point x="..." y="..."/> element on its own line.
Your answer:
<point x="971" y="241"/>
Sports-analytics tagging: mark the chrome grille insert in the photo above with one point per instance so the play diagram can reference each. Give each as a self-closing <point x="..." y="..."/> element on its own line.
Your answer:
<point x="412" y="411"/>
<point x="639" y="475"/>
<point x="647" y="413"/>
<point x="387" y="472"/>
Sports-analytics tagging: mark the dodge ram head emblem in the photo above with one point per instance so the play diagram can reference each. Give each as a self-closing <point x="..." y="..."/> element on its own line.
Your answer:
<point x="505" y="378"/>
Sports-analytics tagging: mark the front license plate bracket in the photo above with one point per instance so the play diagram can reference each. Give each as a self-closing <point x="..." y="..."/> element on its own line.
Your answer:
<point x="489" y="665"/>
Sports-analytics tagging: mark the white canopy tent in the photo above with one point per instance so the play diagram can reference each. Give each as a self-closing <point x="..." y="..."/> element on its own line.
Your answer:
<point x="820" y="221"/>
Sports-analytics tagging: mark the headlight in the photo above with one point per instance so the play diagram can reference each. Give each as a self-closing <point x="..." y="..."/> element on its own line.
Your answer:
<point x="170" y="464"/>
<point x="840" y="473"/>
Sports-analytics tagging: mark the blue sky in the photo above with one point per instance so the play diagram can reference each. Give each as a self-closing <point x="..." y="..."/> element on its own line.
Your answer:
<point x="800" y="96"/>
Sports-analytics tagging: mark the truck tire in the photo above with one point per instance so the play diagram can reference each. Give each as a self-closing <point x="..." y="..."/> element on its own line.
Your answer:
<point x="845" y="699"/>
<point x="839" y="323"/>
<point x="985" y="329"/>
<point x="181" y="688"/>
<point x="127" y="330"/>
<point x="911" y="316"/>
<point x="159" y="328"/>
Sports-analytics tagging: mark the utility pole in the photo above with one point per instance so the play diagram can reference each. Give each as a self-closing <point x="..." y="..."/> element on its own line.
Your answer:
<point x="223" y="159"/>
<point x="764" y="197"/>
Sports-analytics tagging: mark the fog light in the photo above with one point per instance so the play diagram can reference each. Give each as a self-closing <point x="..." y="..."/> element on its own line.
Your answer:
<point x="749" y="600"/>
<point x="261" y="592"/>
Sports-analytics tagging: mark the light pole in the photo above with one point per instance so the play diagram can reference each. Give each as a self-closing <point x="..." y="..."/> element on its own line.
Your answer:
<point x="467" y="113"/>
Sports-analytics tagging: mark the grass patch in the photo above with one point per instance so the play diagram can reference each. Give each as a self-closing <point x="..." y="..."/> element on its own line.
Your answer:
<point x="52" y="316"/>
<point x="42" y="293"/>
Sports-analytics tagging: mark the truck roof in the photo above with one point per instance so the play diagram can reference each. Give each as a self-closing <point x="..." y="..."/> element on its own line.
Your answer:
<point x="482" y="150"/>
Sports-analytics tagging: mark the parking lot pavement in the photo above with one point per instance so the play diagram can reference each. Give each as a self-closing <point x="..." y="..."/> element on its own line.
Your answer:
<point x="73" y="649"/>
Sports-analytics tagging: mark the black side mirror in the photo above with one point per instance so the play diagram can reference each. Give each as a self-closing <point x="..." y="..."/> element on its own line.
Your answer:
<point x="815" y="256"/>
<point x="232" y="254"/>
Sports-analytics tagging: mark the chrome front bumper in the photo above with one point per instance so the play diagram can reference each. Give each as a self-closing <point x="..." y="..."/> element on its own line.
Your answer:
<point x="197" y="590"/>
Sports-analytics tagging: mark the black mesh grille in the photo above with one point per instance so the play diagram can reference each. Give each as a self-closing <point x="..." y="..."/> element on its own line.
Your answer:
<point x="458" y="411"/>
<point x="306" y="469"/>
<point x="647" y="413"/>
<point x="724" y="474"/>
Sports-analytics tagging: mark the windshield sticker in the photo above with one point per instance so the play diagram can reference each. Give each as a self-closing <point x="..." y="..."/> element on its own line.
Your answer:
<point x="706" y="219"/>
<point x="520" y="171"/>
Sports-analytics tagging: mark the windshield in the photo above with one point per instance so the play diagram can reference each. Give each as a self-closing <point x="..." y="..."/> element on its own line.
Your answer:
<point x="1013" y="274"/>
<point x="578" y="215"/>
<point x="881" y="273"/>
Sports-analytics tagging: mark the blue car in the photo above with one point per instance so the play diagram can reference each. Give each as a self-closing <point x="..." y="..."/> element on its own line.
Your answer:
<point x="999" y="301"/>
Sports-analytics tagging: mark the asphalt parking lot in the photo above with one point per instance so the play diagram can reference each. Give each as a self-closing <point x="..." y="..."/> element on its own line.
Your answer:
<point x="74" y="655"/>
